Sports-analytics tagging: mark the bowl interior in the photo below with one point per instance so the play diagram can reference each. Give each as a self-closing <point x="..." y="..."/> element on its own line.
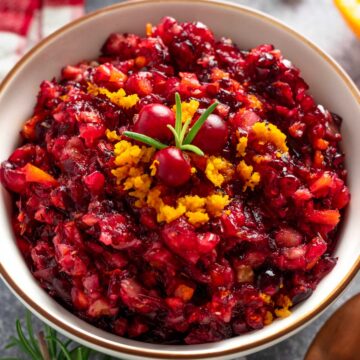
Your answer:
<point x="329" y="85"/>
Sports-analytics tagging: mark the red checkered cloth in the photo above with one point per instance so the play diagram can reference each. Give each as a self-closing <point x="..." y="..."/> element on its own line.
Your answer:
<point x="24" y="22"/>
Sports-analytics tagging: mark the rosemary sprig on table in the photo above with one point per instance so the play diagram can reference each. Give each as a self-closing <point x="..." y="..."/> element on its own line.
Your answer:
<point x="46" y="345"/>
<point x="181" y="141"/>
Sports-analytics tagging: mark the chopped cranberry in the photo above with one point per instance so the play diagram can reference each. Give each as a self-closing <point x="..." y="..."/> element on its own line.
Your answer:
<point x="270" y="281"/>
<point x="288" y="237"/>
<point x="95" y="181"/>
<point x="140" y="83"/>
<point x="120" y="326"/>
<point x="123" y="46"/>
<point x="221" y="275"/>
<point x="114" y="231"/>
<point x="244" y="120"/>
<point x="137" y="327"/>
<point x="181" y="237"/>
<point x="137" y="298"/>
<point x="239" y="326"/>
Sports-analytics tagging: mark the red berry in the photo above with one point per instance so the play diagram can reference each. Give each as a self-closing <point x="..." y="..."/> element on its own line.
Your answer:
<point x="288" y="237"/>
<point x="173" y="169"/>
<point x="95" y="181"/>
<point x="244" y="120"/>
<point x="212" y="136"/>
<point x="72" y="73"/>
<point x="91" y="132"/>
<point x="153" y="120"/>
<point x="13" y="179"/>
<point x="140" y="83"/>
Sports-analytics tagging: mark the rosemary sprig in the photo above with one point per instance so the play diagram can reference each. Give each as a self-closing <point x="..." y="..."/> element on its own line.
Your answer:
<point x="178" y="117"/>
<point x="181" y="141"/>
<point x="145" y="139"/>
<point x="46" y="345"/>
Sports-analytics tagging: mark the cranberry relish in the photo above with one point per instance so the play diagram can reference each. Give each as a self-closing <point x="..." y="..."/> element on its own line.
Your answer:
<point x="225" y="246"/>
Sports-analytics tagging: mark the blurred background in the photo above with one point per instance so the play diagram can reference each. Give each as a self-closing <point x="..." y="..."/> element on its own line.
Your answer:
<point x="334" y="27"/>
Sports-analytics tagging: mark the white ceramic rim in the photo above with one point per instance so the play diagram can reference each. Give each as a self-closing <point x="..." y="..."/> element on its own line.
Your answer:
<point x="119" y="348"/>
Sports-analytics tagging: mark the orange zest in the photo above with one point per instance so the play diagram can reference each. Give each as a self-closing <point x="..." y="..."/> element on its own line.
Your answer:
<point x="148" y="29"/>
<point x="28" y="130"/>
<point x="35" y="174"/>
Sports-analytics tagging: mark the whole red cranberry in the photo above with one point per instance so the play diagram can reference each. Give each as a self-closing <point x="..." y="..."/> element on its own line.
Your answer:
<point x="173" y="169"/>
<point x="153" y="120"/>
<point x="213" y="135"/>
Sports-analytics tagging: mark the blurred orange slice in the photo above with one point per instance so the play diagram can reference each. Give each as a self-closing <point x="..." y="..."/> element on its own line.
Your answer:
<point x="350" y="10"/>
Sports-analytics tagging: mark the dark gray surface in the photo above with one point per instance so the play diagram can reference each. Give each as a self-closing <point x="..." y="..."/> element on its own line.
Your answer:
<point x="318" y="20"/>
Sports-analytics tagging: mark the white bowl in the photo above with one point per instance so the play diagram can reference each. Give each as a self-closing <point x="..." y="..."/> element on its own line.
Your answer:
<point x="82" y="39"/>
